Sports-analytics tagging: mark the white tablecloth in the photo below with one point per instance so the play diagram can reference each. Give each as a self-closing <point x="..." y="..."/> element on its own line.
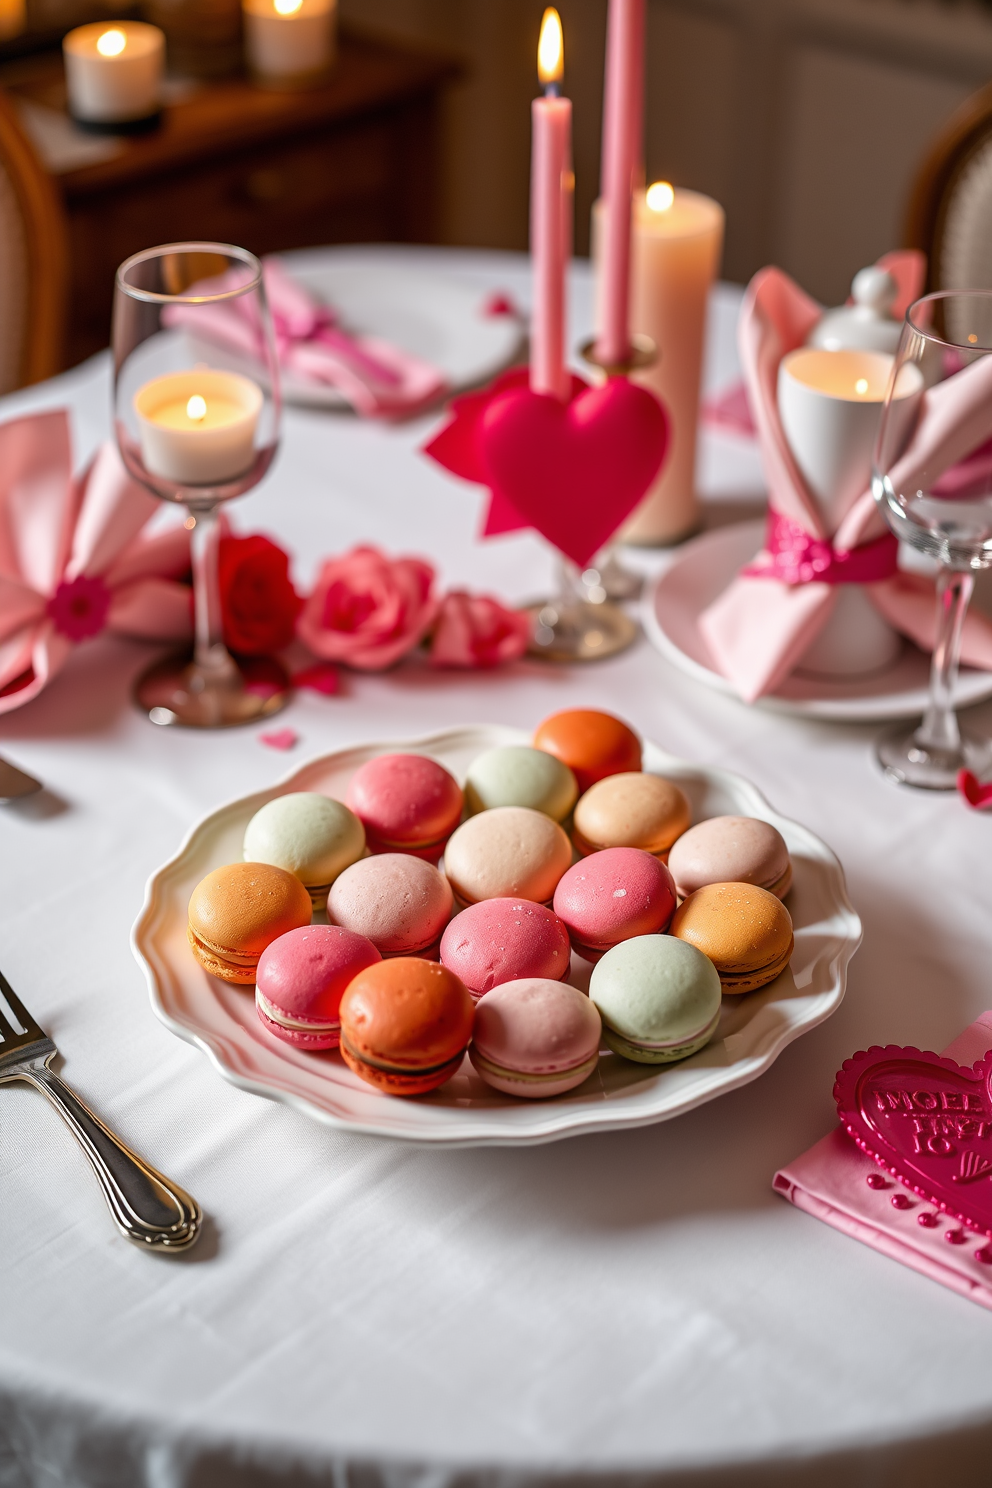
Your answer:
<point x="637" y="1306"/>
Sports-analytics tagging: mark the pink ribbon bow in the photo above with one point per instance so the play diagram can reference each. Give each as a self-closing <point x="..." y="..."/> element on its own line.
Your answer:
<point x="73" y="559"/>
<point x="760" y="626"/>
<point x="375" y="377"/>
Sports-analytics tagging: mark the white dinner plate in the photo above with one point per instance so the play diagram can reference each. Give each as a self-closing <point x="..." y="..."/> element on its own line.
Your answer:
<point x="753" y="1029"/>
<point x="670" y="614"/>
<point x="418" y="309"/>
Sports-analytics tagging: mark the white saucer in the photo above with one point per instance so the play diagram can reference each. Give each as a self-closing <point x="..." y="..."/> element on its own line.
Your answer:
<point x="674" y="602"/>
<point x="753" y="1030"/>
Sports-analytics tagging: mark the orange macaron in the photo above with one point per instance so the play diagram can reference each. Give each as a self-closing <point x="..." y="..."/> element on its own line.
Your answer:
<point x="631" y="810"/>
<point x="746" y="932"/>
<point x="239" y="910"/>
<point x="590" y="743"/>
<point x="405" y="1025"/>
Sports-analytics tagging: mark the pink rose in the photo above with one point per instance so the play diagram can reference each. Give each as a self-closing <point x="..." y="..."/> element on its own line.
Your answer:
<point x="368" y="610"/>
<point x="475" y="630"/>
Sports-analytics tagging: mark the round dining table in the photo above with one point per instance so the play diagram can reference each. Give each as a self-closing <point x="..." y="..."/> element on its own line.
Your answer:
<point x="632" y="1307"/>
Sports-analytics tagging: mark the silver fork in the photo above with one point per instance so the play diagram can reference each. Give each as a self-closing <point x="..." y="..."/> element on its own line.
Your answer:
<point x="147" y="1208"/>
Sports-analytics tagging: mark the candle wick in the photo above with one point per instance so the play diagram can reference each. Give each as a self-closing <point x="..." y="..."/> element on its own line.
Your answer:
<point x="552" y="90"/>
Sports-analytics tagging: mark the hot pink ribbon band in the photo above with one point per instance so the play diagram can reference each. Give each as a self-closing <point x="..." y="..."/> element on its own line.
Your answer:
<point x="792" y="556"/>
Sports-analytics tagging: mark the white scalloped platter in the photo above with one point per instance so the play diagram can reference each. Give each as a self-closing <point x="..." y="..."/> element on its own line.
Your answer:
<point x="753" y="1029"/>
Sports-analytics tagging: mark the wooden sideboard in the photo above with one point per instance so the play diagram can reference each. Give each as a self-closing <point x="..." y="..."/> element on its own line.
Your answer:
<point x="354" y="160"/>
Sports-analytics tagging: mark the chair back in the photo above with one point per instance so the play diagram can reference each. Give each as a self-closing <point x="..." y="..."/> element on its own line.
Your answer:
<point x="950" y="208"/>
<point x="33" y="261"/>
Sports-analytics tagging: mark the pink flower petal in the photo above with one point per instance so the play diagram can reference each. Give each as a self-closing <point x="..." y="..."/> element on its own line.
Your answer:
<point x="321" y="677"/>
<point x="282" y="739"/>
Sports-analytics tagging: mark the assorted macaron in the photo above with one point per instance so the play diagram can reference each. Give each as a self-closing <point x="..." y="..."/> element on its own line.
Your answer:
<point x="508" y="852"/>
<point x="398" y="902"/>
<point x="517" y="775"/>
<point x="240" y="909"/>
<point x="310" y="835"/>
<point x="405" y="1025"/>
<point x="745" y="931"/>
<point x="406" y="803"/>
<point x="505" y="940"/>
<point x="535" y="1038"/>
<point x="612" y="896"/>
<point x="631" y="810"/>
<point x="419" y="963"/>
<point x="731" y="849"/>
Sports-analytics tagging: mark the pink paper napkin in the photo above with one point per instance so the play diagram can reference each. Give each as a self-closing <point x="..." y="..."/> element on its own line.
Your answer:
<point x="73" y="558"/>
<point x="760" y="626"/>
<point x="830" y="1181"/>
<point x="375" y="377"/>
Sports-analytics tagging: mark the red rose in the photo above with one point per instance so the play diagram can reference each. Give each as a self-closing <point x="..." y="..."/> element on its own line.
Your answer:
<point x="258" y="602"/>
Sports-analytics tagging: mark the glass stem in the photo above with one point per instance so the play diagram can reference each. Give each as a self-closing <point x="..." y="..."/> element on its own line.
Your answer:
<point x="211" y="657"/>
<point x="569" y="585"/>
<point x="939" y="729"/>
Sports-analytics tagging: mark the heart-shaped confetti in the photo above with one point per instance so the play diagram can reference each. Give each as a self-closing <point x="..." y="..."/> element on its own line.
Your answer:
<point x="973" y="791"/>
<point x="281" y="739"/>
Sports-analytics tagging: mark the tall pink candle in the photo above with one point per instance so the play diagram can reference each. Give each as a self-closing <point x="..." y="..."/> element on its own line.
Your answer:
<point x="550" y="221"/>
<point x="623" y="127"/>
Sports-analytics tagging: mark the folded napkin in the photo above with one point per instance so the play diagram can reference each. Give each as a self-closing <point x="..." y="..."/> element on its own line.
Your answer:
<point x="73" y="558"/>
<point x="830" y="1181"/>
<point x="760" y="626"/>
<point x="376" y="378"/>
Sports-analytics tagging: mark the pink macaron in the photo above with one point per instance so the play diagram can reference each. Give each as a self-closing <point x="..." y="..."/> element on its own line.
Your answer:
<point x="502" y="940"/>
<point x="535" y="1038"/>
<point x="398" y="902"/>
<point x="301" y="979"/>
<point x="612" y="896"/>
<point x="406" y="803"/>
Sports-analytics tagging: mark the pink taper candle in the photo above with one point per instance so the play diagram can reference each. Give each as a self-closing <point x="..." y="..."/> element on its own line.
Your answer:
<point x="550" y="223"/>
<point x="623" y="127"/>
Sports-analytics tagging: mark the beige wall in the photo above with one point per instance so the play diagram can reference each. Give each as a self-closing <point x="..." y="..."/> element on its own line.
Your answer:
<point x="805" y="118"/>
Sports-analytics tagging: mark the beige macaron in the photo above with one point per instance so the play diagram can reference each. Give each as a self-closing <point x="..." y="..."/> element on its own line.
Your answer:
<point x="631" y="810"/>
<point x="731" y="849"/>
<point x="508" y="852"/>
<point x="745" y="930"/>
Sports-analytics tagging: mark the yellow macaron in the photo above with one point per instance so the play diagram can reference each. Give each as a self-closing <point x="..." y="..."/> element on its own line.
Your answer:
<point x="746" y="932"/>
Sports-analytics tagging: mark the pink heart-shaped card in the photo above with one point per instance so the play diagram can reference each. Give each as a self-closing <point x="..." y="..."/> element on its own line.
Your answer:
<point x="927" y="1121"/>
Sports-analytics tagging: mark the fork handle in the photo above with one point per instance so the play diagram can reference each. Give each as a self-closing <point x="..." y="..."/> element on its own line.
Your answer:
<point x="147" y="1207"/>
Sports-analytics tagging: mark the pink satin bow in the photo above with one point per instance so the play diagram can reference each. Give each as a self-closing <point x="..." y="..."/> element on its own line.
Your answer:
<point x="73" y="558"/>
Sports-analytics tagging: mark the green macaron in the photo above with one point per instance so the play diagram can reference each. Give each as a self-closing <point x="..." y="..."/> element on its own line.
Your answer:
<point x="311" y="835"/>
<point x="657" y="1003"/>
<point x="517" y="775"/>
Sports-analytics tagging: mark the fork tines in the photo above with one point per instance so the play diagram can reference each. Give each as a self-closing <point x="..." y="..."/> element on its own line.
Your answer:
<point x="10" y="1035"/>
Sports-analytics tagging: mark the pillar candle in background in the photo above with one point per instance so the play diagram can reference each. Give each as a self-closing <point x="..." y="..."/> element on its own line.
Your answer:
<point x="289" y="43"/>
<point x="551" y="189"/>
<point x="675" y="254"/>
<point x="623" y="129"/>
<point x="13" y="18"/>
<point x="113" y="72"/>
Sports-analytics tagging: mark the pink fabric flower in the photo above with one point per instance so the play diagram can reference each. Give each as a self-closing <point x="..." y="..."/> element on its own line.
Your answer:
<point x="475" y="630"/>
<point x="368" y="610"/>
<point x="79" y="607"/>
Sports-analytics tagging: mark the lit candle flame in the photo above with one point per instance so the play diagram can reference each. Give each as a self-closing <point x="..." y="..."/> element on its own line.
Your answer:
<point x="972" y="339"/>
<point x="660" y="196"/>
<point x="196" y="409"/>
<point x="111" y="43"/>
<point x="287" y="7"/>
<point x="861" y="386"/>
<point x="551" y="49"/>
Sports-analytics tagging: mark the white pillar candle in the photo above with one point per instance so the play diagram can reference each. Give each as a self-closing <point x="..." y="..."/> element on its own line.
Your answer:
<point x="13" y="18"/>
<point x="198" y="427"/>
<point x="675" y="253"/>
<point x="113" y="72"/>
<point x="289" y="40"/>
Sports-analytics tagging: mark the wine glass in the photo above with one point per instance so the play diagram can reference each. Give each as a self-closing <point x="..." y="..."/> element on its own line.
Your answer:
<point x="934" y="486"/>
<point x="198" y="424"/>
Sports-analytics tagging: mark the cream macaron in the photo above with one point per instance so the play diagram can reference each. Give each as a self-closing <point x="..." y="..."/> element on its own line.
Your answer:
<point x="633" y="809"/>
<point x="507" y="853"/>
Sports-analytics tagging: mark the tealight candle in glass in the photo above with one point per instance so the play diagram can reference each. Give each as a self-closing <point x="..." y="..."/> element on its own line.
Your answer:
<point x="198" y="434"/>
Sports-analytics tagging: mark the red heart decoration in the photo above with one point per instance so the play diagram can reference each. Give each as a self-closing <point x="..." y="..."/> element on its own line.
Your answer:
<point x="573" y="470"/>
<point x="928" y="1121"/>
<point x="974" y="792"/>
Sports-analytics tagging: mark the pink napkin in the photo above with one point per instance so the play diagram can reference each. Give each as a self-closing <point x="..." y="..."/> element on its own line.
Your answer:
<point x="376" y="378"/>
<point x="73" y="559"/>
<point x="830" y="1181"/>
<point x="760" y="626"/>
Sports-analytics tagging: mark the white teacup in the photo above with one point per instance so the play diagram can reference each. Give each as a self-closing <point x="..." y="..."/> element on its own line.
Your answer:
<point x="830" y="403"/>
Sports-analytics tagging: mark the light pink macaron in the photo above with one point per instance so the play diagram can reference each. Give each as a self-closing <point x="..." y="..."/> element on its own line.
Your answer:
<point x="301" y="979"/>
<point x="535" y="1038"/>
<point x="502" y="940"/>
<point x="612" y="896"/>
<point x="398" y="902"/>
